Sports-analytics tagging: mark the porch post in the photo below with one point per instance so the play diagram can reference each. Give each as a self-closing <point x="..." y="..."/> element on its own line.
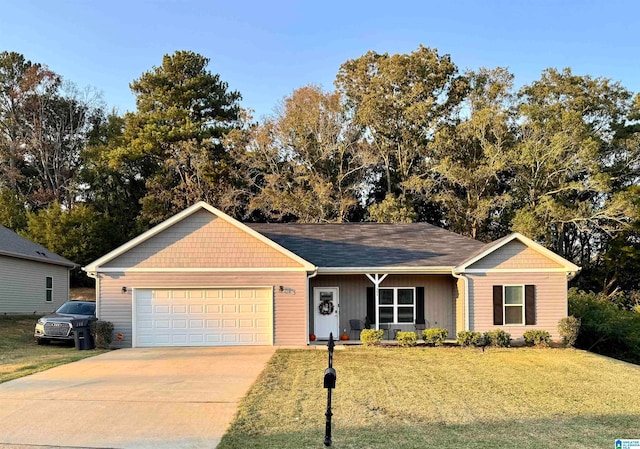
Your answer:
<point x="377" y="300"/>
<point x="377" y="280"/>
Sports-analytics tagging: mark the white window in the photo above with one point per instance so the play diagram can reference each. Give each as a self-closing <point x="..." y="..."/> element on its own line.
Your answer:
<point x="48" y="289"/>
<point x="397" y="305"/>
<point x="513" y="304"/>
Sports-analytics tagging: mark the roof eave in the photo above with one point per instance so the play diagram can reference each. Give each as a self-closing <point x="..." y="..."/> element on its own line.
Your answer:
<point x="68" y="264"/>
<point x="389" y="270"/>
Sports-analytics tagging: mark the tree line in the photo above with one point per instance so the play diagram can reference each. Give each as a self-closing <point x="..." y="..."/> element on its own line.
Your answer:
<point x="401" y="138"/>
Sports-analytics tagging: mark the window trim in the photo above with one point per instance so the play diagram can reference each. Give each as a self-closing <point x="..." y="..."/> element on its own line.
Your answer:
<point x="505" y="305"/>
<point x="47" y="289"/>
<point x="395" y="304"/>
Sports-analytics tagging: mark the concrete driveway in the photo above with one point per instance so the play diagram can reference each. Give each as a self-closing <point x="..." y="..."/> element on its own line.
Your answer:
<point x="131" y="398"/>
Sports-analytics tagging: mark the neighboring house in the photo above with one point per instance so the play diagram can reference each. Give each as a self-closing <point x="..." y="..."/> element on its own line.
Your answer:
<point x="202" y="278"/>
<point x="33" y="280"/>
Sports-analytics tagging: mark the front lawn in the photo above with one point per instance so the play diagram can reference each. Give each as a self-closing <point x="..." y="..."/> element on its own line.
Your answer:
<point x="20" y="355"/>
<point x="441" y="397"/>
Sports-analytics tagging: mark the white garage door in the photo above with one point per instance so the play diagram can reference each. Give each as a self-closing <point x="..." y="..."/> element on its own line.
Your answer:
<point x="203" y="317"/>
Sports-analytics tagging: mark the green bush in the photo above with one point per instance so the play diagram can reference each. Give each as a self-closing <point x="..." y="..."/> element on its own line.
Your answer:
<point x="537" y="338"/>
<point x="568" y="328"/>
<point x="606" y="327"/>
<point x="407" y="339"/>
<point x="498" y="338"/>
<point x="470" y="338"/>
<point x="435" y="335"/>
<point x="371" y="337"/>
<point x="102" y="333"/>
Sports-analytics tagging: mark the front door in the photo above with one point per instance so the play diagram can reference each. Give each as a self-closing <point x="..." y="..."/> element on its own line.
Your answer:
<point x="327" y="320"/>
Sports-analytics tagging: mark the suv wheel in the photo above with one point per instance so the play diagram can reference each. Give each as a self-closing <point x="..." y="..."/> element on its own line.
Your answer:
<point x="43" y="341"/>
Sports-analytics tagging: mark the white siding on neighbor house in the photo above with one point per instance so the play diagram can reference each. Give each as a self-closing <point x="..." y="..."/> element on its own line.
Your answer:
<point x="289" y="304"/>
<point x="23" y="286"/>
<point x="551" y="300"/>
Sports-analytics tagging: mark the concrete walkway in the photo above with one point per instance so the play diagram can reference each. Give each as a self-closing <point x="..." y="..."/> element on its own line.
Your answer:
<point x="131" y="398"/>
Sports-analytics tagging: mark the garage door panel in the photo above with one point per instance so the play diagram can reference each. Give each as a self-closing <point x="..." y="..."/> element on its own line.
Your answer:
<point x="246" y="323"/>
<point x="196" y="339"/>
<point x="181" y="308"/>
<point x="213" y="324"/>
<point x="196" y="324"/>
<point x="179" y="339"/>
<point x="206" y="317"/>
<point x="229" y="324"/>
<point x="262" y="324"/>
<point x="229" y="338"/>
<point x="229" y="308"/>
<point x="178" y="324"/>
<point x="196" y="308"/>
<point x="212" y="308"/>
<point x="161" y="309"/>
<point x="246" y="308"/>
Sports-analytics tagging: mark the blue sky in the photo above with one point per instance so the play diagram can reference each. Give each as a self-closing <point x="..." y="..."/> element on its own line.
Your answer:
<point x="267" y="49"/>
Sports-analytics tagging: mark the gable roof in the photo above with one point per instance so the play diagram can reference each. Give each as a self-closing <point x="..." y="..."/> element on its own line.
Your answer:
<point x="497" y="244"/>
<point x="94" y="266"/>
<point x="352" y="246"/>
<point x="14" y="245"/>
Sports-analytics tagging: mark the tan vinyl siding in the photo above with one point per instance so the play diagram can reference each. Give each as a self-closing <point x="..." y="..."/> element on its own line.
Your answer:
<point x="202" y="240"/>
<point x="22" y="286"/>
<point x="551" y="300"/>
<point x="438" y="291"/>
<point x="514" y="254"/>
<point x="289" y="308"/>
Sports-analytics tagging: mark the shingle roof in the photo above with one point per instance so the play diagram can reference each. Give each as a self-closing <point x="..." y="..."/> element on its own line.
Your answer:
<point x="354" y="245"/>
<point x="11" y="244"/>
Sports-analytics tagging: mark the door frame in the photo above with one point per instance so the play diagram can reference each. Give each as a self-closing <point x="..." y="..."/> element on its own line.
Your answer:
<point x="316" y="292"/>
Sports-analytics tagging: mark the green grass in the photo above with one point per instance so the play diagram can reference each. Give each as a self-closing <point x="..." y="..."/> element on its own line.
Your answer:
<point x="21" y="356"/>
<point x="441" y="397"/>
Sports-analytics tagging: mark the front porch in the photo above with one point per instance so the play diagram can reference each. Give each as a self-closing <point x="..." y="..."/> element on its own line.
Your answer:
<point x="405" y="302"/>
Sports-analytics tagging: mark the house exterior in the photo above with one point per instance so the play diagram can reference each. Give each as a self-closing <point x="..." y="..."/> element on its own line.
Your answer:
<point x="201" y="278"/>
<point x="33" y="280"/>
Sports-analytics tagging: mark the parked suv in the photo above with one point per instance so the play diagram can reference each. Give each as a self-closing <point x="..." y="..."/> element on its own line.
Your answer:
<point x="57" y="326"/>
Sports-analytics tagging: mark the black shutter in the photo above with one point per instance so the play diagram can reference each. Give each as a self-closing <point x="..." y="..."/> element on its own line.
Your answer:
<point x="497" y="305"/>
<point x="371" y="304"/>
<point x="420" y="305"/>
<point x="529" y="304"/>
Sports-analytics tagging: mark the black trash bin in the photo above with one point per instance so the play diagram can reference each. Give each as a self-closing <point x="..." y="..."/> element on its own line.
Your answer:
<point x="82" y="334"/>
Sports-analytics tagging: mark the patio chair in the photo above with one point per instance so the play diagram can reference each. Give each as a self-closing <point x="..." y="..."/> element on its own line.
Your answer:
<point x="355" y="325"/>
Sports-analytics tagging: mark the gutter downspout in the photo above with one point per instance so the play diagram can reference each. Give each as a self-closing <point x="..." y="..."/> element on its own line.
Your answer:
<point x="308" y="300"/>
<point x="466" y="297"/>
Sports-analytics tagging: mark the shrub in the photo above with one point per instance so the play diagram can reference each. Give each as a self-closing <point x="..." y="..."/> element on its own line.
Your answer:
<point x="470" y="338"/>
<point x="568" y="328"/>
<point x="407" y="339"/>
<point x="435" y="335"/>
<point x="371" y="337"/>
<point x="102" y="333"/>
<point x="537" y="338"/>
<point x="497" y="338"/>
<point x="606" y="327"/>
